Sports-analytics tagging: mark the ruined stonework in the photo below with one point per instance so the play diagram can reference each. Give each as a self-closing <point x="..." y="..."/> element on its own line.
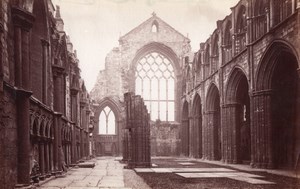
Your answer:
<point x="118" y="77"/>
<point x="241" y="90"/>
<point x="44" y="105"/>
<point x="136" y="138"/>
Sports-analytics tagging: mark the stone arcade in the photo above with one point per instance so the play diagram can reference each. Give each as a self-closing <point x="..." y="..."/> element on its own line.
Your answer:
<point x="235" y="100"/>
<point x="44" y="109"/>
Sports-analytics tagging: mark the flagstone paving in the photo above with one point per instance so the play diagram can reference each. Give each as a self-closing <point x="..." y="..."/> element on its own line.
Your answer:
<point x="107" y="173"/>
<point x="208" y="173"/>
<point x="167" y="173"/>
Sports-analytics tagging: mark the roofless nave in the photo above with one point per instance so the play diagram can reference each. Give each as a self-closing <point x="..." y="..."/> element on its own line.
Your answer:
<point x="235" y="100"/>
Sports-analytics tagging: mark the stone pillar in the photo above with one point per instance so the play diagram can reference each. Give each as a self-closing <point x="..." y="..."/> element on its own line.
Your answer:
<point x="22" y="21"/>
<point x="51" y="157"/>
<point x="191" y="137"/>
<point x="57" y="142"/>
<point x="262" y="130"/>
<point x="231" y="133"/>
<point x="45" y="46"/>
<point x="58" y="73"/>
<point x="47" y="158"/>
<point x="42" y="159"/>
<point x="81" y="143"/>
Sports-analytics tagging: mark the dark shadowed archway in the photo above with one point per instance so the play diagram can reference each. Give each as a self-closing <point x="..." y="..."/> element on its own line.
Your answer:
<point x="185" y="134"/>
<point x="236" y="127"/>
<point x="213" y="131"/>
<point x="275" y="108"/>
<point x="197" y="134"/>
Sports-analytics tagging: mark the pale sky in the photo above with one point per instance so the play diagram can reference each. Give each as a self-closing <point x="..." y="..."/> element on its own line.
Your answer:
<point x="95" y="26"/>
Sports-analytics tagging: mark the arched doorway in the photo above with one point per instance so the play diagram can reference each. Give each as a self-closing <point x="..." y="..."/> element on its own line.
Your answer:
<point x="237" y="116"/>
<point x="213" y="123"/>
<point x="197" y="135"/>
<point x="185" y="135"/>
<point x="275" y="100"/>
<point x="283" y="108"/>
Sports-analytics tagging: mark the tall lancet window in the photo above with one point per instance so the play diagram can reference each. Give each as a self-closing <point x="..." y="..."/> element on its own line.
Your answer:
<point x="155" y="82"/>
<point x="107" y="122"/>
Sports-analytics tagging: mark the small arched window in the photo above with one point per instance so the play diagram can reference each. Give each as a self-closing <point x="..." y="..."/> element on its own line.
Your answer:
<point x="240" y="42"/>
<point x="154" y="28"/>
<point x="227" y="42"/>
<point x="107" y="122"/>
<point x="283" y="9"/>
<point x="260" y="19"/>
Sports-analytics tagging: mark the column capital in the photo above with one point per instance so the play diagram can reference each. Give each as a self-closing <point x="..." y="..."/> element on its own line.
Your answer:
<point x="58" y="70"/>
<point x="262" y="92"/>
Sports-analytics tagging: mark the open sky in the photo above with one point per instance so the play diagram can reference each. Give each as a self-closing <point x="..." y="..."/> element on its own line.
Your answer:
<point x="95" y="26"/>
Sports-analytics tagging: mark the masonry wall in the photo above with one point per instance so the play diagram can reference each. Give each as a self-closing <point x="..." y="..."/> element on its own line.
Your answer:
<point x="120" y="66"/>
<point x="35" y="108"/>
<point x="223" y="67"/>
<point x="165" y="139"/>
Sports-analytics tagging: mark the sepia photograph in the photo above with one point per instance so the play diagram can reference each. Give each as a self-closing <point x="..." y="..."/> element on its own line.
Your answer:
<point x="150" y="94"/>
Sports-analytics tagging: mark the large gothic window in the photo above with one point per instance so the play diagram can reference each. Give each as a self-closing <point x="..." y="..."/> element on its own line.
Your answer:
<point x="107" y="122"/>
<point x="155" y="82"/>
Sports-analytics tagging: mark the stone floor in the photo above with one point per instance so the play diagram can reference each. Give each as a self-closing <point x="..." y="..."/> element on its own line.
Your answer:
<point x="110" y="173"/>
<point x="107" y="173"/>
<point x="208" y="173"/>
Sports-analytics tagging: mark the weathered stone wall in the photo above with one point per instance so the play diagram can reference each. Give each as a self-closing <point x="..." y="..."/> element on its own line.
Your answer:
<point x="8" y="140"/>
<point x="244" y="56"/>
<point x="34" y="58"/>
<point x="119" y="74"/>
<point x="165" y="139"/>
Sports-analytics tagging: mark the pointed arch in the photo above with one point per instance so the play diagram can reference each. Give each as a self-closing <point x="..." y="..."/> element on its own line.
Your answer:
<point x="266" y="67"/>
<point x="155" y="27"/>
<point x="156" y="67"/>
<point x="237" y="118"/>
<point x="213" y="124"/>
<point x="185" y="130"/>
<point x="197" y="125"/>
<point x="275" y="98"/>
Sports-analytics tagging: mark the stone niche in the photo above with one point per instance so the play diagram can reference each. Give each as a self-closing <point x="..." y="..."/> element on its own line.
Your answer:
<point x="165" y="139"/>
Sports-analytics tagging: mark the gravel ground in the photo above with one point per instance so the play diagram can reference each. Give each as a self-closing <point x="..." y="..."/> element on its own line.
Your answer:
<point x="132" y="180"/>
<point x="173" y="181"/>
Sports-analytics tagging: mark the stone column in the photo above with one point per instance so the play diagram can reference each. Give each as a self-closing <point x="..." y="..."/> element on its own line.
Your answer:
<point x="58" y="73"/>
<point x="45" y="46"/>
<point x="47" y="158"/>
<point x="231" y="133"/>
<point x="22" y="21"/>
<point x="262" y="130"/>
<point x="81" y="144"/>
<point x="42" y="159"/>
<point x="57" y="142"/>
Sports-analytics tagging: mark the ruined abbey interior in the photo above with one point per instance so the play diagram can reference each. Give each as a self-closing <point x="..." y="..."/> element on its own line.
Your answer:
<point x="234" y="100"/>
